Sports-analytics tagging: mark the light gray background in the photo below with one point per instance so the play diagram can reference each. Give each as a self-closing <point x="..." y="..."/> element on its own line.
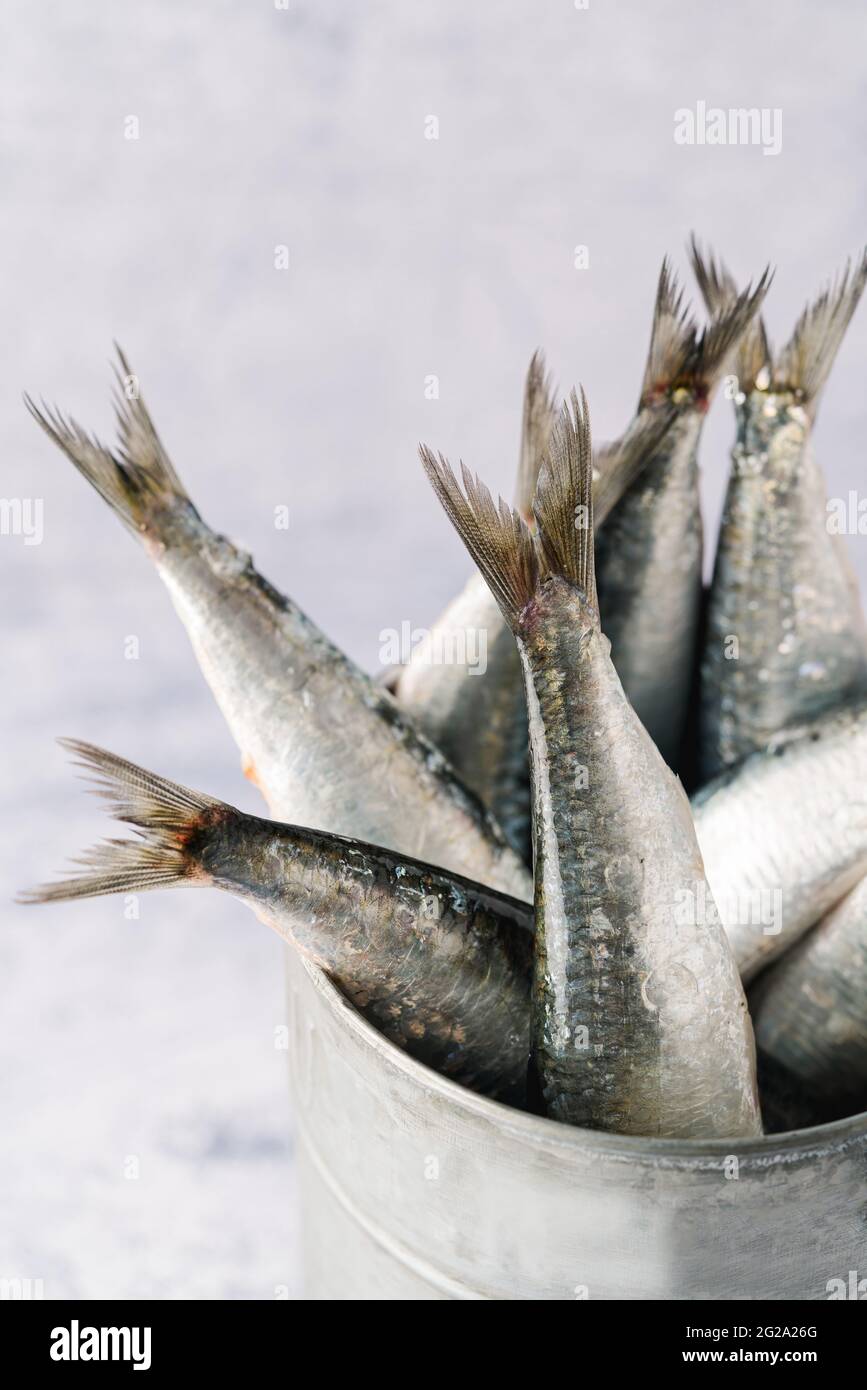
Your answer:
<point x="408" y="257"/>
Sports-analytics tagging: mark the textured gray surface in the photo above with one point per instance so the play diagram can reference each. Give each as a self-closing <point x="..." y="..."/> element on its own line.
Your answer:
<point x="305" y="387"/>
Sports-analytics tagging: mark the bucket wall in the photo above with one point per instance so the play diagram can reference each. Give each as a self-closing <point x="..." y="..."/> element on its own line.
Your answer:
<point x="413" y="1188"/>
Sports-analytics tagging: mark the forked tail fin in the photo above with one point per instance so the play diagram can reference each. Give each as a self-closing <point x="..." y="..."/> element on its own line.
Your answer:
<point x="805" y="363"/>
<point x="540" y="413"/>
<point x="513" y="560"/>
<point x="137" y="479"/>
<point x="803" y="366"/>
<point x="673" y="338"/>
<point x="498" y="538"/>
<point x="167" y="817"/>
<point x="563" y="504"/>
<point x="720" y="293"/>
<point x="681" y="356"/>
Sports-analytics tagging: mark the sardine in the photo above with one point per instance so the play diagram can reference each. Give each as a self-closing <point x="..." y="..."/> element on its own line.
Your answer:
<point x="687" y="764"/>
<point x="478" y="716"/>
<point x="810" y="1014"/>
<point x="784" y="834"/>
<point x="649" y="560"/>
<point x="638" y="1018"/>
<point x="438" y="964"/>
<point x="786" y="637"/>
<point x="479" y="720"/>
<point x="327" y="746"/>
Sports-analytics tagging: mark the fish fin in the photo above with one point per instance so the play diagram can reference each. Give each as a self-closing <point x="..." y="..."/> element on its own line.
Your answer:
<point x="720" y="294"/>
<point x="137" y="480"/>
<point x="563" y="505"/>
<point x="805" y="362"/>
<point x="166" y="816"/>
<point x="672" y="339"/>
<point x="498" y="538"/>
<point x="617" y="466"/>
<point x="720" y="341"/>
<point x="540" y="412"/>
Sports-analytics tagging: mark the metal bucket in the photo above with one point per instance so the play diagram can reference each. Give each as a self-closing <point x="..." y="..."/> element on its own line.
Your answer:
<point x="414" y="1188"/>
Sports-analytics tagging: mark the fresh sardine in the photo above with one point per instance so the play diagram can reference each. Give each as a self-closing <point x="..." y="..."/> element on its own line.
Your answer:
<point x="476" y="713"/>
<point x="810" y="1014"/>
<point x="479" y="720"/>
<point x="786" y="637"/>
<point x="440" y="965"/>
<point x="649" y="559"/>
<point x="784" y="834"/>
<point x="327" y="746"/>
<point x="639" y="1022"/>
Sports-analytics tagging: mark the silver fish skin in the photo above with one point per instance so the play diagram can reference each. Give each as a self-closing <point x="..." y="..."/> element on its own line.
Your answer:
<point x="476" y="716"/>
<point x="649" y="559"/>
<point x="327" y="746"/>
<point x="784" y="835"/>
<point x="438" y="964"/>
<point x="810" y="1013"/>
<point x="783" y="588"/>
<point x="639" y="1023"/>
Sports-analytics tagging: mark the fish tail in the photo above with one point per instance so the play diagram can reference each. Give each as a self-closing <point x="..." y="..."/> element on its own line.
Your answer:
<point x="742" y="327"/>
<point x="498" y="538"/>
<point x="540" y="412"/>
<point x="512" y="560"/>
<point x="137" y="478"/>
<point x="673" y="339"/>
<point x="563" y="505"/>
<point x="680" y="356"/>
<point x="169" y="820"/>
<point x="805" y="362"/>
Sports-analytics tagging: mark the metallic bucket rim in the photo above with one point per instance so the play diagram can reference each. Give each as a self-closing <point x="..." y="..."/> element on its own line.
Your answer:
<point x="770" y="1149"/>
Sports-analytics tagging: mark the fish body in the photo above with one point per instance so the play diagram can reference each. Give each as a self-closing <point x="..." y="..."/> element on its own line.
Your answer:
<point x="784" y="835"/>
<point x="649" y="559"/>
<point x="639" y="1021"/>
<point x="439" y="965"/>
<point x="477" y="717"/>
<point x="810" y="1013"/>
<point x="327" y="746"/>
<point x="786" y="637"/>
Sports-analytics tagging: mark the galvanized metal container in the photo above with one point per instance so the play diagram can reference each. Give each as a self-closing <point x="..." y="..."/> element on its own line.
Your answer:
<point x="413" y="1188"/>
